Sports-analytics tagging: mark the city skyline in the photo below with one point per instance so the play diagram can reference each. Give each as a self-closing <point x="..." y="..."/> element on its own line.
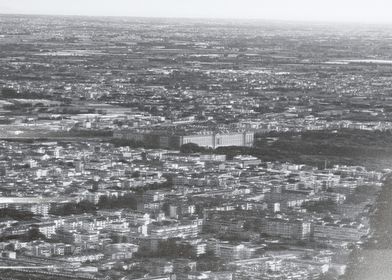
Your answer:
<point x="363" y="11"/>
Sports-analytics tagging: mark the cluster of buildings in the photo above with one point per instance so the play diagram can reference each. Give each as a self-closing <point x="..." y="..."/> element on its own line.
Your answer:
<point x="92" y="209"/>
<point x="95" y="182"/>
<point x="56" y="83"/>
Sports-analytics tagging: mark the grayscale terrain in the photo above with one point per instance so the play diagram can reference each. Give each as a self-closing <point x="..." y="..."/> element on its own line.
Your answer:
<point x="165" y="149"/>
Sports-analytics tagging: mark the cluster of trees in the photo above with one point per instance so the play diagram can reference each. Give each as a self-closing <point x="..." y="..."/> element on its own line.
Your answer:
<point x="9" y="93"/>
<point x="127" y="201"/>
<point x="17" y="215"/>
<point x="131" y="143"/>
<point x="230" y="152"/>
<point x="89" y="133"/>
<point x="191" y="148"/>
<point x="322" y="206"/>
<point x="72" y="208"/>
<point x="31" y="235"/>
<point x="267" y="153"/>
<point x="346" y="146"/>
<point x="170" y="248"/>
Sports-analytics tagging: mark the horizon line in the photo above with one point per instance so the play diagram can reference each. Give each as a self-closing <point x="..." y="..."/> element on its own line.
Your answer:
<point x="240" y="19"/>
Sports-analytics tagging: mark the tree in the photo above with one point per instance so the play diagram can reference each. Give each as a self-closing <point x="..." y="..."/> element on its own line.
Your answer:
<point x="74" y="208"/>
<point x="170" y="248"/>
<point x="33" y="234"/>
<point x="321" y="206"/>
<point x="18" y="215"/>
<point x="127" y="201"/>
<point x="191" y="148"/>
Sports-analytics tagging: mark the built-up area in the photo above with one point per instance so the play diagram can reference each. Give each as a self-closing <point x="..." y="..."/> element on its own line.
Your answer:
<point x="127" y="148"/>
<point x="96" y="211"/>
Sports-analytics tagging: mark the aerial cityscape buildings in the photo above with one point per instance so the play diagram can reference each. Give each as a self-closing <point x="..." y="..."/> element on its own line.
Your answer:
<point x="174" y="149"/>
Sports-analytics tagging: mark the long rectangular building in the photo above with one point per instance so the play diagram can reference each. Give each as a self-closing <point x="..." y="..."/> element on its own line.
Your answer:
<point x="176" y="140"/>
<point x="215" y="140"/>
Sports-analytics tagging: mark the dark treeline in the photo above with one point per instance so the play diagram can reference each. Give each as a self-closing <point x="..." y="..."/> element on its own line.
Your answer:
<point x="9" y="93"/>
<point x="72" y="208"/>
<point x="321" y="206"/>
<point x="31" y="235"/>
<point x="18" y="215"/>
<point x="170" y="248"/>
<point x="346" y="146"/>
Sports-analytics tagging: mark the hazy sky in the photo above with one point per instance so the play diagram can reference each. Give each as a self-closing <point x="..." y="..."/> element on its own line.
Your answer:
<point x="319" y="10"/>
